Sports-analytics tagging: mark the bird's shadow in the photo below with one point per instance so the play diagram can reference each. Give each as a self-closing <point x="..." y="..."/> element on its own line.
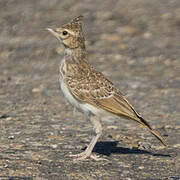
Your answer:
<point x="110" y="147"/>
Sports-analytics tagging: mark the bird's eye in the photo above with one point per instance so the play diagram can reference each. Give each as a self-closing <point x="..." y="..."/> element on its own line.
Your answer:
<point x="64" y="33"/>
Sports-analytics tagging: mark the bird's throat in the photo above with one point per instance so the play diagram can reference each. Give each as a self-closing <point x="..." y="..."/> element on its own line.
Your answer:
<point x="75" y="55"/>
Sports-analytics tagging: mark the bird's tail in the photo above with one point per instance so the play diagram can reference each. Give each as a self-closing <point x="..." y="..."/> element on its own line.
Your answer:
<point x="155" y="133"/>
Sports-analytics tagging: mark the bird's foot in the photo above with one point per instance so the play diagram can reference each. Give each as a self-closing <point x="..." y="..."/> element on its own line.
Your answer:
<point x="97" y="158"/>
<point x="84" y="155"/>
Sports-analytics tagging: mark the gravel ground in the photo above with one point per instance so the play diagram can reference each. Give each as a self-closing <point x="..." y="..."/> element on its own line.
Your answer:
<point x="135" y="43"/>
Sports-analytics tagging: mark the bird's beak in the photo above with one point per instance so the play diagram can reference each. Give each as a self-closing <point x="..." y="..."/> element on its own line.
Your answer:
<point x="53" y="32"/>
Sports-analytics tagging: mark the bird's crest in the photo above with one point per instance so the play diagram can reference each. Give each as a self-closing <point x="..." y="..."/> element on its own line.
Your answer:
<point x="74" y="25"/>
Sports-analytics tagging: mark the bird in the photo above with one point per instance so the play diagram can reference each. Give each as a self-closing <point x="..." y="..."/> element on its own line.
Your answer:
<point x="87" y="89"/>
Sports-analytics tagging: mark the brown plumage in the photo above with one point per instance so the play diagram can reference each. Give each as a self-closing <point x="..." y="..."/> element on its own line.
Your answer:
<point x="89" y="90"/>
<point x="97" y="90"/>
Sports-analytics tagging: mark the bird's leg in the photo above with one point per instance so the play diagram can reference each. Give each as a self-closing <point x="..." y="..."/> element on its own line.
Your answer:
<point x="88" y="151"/>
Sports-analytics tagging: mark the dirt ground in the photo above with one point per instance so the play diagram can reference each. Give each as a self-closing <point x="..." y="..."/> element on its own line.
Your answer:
<point x="135" y="43"/>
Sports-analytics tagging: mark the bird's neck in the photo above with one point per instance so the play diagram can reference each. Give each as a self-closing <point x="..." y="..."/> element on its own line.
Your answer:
<point x="75" y="55"/>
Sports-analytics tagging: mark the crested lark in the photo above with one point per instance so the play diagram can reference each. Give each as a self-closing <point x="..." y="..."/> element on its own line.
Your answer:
<point x="89" y="90"/>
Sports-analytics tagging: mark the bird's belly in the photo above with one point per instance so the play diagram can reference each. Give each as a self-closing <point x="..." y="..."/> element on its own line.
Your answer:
<point x="67" y="94"/>
<point x="82" y="106"/>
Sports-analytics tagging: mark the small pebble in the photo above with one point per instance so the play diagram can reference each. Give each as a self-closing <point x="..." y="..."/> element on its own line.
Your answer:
<point x="35" y="90"/>
<point x="147" y="35"/>
<point x="9" y="118"/>
<point x="10" y="137"/>
<point x="141" y="167"/>
<point x="6" y="166"/>
<point x="112" y="127"/>
<point x="54" y="146"/>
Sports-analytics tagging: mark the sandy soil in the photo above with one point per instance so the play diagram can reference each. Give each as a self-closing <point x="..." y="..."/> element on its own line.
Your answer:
<point x="135" y="43"/>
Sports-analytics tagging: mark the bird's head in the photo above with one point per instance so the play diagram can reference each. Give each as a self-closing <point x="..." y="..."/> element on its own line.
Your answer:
<point x="70" y="34"/>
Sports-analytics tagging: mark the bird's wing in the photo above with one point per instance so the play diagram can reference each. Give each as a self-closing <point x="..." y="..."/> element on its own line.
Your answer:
<point x="94" y="88"/>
